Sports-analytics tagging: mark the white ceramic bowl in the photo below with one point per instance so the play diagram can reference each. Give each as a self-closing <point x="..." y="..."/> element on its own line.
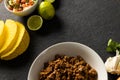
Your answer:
<point x="24" y="12"/>
<point x="69" y="49"/>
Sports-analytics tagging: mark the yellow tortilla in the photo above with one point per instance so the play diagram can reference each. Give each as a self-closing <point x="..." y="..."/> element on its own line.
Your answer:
<point x="21" y="44"/>
<point x="10" y="36"/>
<point x="1" y="33"/>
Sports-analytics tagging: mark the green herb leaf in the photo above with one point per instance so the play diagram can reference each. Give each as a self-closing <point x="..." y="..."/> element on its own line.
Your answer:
<point x="112" y="46"/>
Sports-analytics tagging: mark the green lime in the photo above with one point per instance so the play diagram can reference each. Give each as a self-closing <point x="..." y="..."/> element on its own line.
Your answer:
<point x="34" y="22"/>
<point x="46" y="10"/>
<point x="51" y="1"/>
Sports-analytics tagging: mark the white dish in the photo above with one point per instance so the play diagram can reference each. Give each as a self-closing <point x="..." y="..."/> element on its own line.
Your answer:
<point x="25" y="12"/>
<point x="69" y="49"/>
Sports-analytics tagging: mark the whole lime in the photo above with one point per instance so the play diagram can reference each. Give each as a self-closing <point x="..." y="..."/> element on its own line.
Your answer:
<point x="51" y="1"/>
<point x="46" y="10"/>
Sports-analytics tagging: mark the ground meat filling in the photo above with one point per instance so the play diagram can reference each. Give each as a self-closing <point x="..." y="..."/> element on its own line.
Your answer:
<point x="67" y="68"/>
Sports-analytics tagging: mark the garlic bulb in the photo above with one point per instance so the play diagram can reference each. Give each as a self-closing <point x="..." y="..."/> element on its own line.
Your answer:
<point x="112" y="64"/>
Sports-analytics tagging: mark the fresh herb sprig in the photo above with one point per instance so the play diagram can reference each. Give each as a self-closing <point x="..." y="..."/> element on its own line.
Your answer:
<point x="112" y="46"/>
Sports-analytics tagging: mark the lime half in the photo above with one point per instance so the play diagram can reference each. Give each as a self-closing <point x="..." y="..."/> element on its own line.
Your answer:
<point x="34" y="22"/>
<point x="51" y="1"/>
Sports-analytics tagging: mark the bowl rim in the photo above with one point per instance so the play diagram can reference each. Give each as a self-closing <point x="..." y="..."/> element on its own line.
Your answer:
<point x="57" y="44"/>
<point x="6" y="6"/>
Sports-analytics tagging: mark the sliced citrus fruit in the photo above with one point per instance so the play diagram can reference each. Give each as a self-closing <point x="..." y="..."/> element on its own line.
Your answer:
<point x="1" y="33"/>
<point x="34" y="22"/>
<point x="21" y="43"/>
<point x="46" y="10"/>
<point x="10" y="36"/>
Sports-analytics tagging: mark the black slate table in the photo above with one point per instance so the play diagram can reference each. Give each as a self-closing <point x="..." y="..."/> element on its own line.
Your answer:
<point x="90" y="22"/>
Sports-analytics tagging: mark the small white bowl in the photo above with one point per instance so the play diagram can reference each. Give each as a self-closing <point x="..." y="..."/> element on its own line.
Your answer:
<point x="69" y="49"/>
<point x="24" y="12"/>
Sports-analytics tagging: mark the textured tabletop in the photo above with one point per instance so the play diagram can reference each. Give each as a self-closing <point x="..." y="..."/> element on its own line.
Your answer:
<point x="90" y="22"/>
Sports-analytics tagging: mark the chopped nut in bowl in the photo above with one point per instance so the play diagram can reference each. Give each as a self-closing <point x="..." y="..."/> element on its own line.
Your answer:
<point x="21" y="7"/>
<point x="68" y="61"/>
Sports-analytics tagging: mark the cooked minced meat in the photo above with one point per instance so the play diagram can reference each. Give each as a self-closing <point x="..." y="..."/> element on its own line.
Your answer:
<point x="68" y="68"/>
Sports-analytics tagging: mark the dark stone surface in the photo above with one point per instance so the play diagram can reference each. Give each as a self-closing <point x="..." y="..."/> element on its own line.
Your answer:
<point x="91" y="22"/>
